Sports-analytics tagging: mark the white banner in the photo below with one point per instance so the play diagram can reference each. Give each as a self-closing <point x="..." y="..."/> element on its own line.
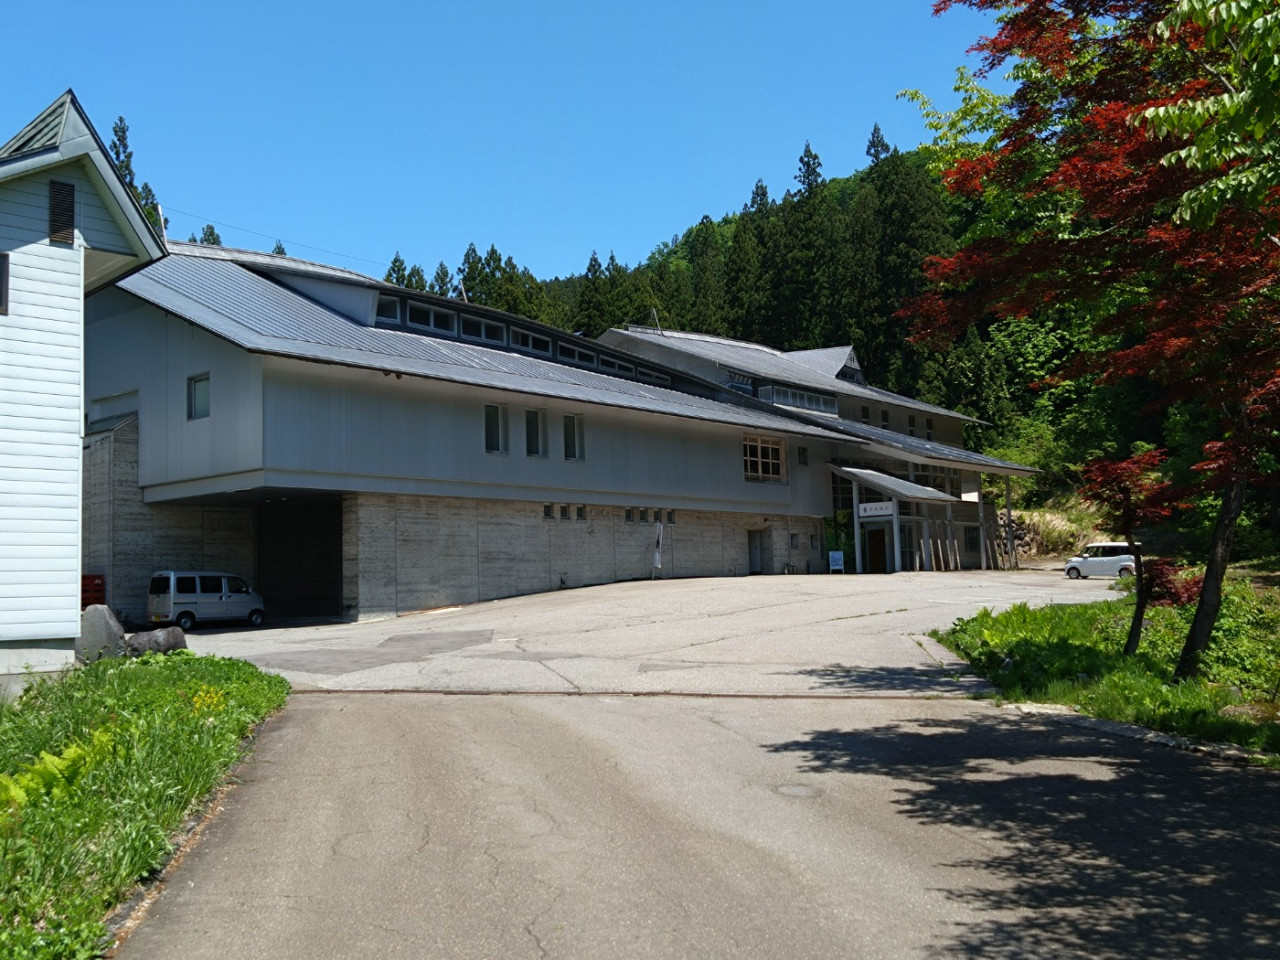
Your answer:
<point x="657" y="546"/>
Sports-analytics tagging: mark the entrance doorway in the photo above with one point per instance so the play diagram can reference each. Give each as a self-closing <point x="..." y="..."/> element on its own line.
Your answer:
<point x="877" y="550"/>
<point x="754" y="561"/>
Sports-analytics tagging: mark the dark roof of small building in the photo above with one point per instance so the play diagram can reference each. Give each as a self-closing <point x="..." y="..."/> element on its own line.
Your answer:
<point x="922" y="450"/>
<point x="262" y="316"/>
<point x="893" y="486"/>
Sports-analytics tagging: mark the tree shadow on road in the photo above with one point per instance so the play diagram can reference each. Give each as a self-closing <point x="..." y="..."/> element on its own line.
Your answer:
<point x="903" y="680"/>
<point x="1102" y="848"/>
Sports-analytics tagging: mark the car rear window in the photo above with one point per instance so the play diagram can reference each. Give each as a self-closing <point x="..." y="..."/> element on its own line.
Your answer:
<point x="159" y="586"/>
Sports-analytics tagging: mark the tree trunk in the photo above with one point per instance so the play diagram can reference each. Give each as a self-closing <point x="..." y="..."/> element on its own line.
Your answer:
<point x="1224" y="536"/>
<point x="1142" y="593"/>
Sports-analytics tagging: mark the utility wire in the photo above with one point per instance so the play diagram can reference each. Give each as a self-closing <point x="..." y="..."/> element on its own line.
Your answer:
<point x="268" y="236"/>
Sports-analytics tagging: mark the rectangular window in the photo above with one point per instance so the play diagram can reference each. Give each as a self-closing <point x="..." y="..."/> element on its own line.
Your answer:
<point x="4" y="284"/>
<point x="813" y="541"/>
<point x="802" y="456"/>
<point x="653" y="376"/>
<point x="495" y="428"/>
<point x="671" y="516"/>
<point x="762" y="459"/>
<point x="198" y="397"/>
<point x="644" y="516"/>
<point x="62" y="212"/>
<point x="474" y="328"/>
<point x="531" y="342"/>
<point x="186" y="585"/>
<point x="608" y="363"/>
<point x="928" y="428"/>
<point x="971" y="544"/>
<point x="629" y="515"/>
<point x="580" y="512"/>
<point x="573" y="449"/>
<point x="575" y="355"/>
<point x="794" y="542"/>
<point x="564" y="511"/>
<point x="911" y="424"/>
<point x="884" y="419"/>
<point x="866" y="415"/>
<point x="210" y="584"/>
<point x="535" y="433"/>
<point x="389" y="309"/>
<point x="548" y="512"/>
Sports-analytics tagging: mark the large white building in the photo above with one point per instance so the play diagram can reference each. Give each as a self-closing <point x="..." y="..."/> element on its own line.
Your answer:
<point x="360" y="450"/>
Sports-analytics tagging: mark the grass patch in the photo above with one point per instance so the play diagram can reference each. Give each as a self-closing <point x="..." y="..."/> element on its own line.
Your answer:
<point x="98" y="768"/>
<point x="1072" y="655"/>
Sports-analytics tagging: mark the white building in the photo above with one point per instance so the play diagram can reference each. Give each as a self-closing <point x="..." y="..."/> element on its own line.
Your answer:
<point x="68" y="226"/>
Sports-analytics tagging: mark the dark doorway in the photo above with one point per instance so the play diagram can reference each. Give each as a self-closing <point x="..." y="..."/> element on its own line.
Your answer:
<point x="300" y="558"/>
<point x="754" y="562"/>
<point x="877" y="554"/>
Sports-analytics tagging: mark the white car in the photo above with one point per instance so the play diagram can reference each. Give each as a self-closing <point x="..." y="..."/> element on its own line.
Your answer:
<point x="1107" y="559"/>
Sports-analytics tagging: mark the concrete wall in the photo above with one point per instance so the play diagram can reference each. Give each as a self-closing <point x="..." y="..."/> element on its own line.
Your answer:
<point x="126" y="539"/>
<point x="407" y="553"/>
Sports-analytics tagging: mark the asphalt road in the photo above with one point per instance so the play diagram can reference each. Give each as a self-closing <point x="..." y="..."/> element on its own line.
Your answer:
<point x="847" y="819"/>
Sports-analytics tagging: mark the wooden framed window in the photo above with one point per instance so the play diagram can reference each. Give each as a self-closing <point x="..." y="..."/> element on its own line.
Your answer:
<point x="762" y="459"/>
<point x="62" y="212"/>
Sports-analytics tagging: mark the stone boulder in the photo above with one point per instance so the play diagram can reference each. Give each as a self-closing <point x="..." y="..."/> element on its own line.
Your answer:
<point x="100" y="634"/>
<point x="159" y="641"/>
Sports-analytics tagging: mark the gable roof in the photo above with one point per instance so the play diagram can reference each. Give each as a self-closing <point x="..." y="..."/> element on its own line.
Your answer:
<point x="262" y="316"/>
<point x="62" y="134"/>
<point x="765" y="363"/>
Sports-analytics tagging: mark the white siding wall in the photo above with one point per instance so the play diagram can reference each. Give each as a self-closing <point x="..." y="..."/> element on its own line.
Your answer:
<point x="40" y="417"/>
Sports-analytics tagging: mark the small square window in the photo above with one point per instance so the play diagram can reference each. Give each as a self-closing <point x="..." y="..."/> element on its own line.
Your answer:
<point x="548" y="512"/>
<point x="671" y="516"/>
<point x="198" y="397"/>
<point x="644" y="516"/>
<point x="564" y="511"/>
<point x="629" y="515"/>
<point x="580" y="512"/>
<point x="389" y="309"/>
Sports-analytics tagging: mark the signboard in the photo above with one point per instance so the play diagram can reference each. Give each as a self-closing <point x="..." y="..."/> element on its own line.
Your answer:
<point x="883" y="509"/>
<point x="835" y="561"/>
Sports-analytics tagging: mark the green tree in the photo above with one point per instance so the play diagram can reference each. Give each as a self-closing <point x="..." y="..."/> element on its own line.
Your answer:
<point x="209" y="236"/>
<point x="396" y="273"/>
<point x="278" y="249"/>
<point x="810" y="174"/>
<point x="122" y="157"/>
<point x="441" y="281"/>
<point x="877" y="146"/>
<point x="415" y="279"/>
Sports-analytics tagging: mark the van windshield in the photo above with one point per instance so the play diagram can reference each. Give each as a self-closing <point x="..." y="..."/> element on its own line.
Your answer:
<point x="159" y="586"/>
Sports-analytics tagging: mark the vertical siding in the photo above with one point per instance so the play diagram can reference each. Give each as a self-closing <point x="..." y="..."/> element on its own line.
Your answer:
<point x="40" y="422"/>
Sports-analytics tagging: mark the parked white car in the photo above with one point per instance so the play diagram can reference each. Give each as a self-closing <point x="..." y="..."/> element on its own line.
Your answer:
<point x="1107" y="559"/>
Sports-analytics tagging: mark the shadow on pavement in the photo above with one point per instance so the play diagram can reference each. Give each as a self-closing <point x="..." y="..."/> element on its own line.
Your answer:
<point x="903" y="679"/>
<point x="1102" y="849"/>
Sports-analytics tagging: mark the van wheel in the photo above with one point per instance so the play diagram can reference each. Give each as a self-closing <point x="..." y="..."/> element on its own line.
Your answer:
<point x="185" y="620"/>
<point x="1073" y="573"/>
<point x="257" y="618"/>
<point x="1126" y="572"/>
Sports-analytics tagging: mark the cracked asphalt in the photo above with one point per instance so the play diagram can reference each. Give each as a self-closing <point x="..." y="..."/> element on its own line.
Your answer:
<point x="849" y="799"/>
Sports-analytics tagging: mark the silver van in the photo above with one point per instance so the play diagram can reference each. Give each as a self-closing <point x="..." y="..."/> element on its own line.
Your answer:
<point x="187" y="596"/>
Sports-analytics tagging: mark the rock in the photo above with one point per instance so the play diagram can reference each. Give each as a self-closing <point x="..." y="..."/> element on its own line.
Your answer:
<point x="160" y="641"/>
<point x="100" y="634"/>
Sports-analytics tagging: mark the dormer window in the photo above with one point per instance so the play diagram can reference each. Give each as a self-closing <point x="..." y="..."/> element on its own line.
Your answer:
<point x="388" y="309"/>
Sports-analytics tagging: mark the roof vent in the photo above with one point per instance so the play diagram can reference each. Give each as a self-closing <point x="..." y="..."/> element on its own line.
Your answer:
<point x="62" y="212"/>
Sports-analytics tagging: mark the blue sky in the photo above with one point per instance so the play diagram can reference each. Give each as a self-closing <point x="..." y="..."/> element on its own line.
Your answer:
<point x="352" y="130"/>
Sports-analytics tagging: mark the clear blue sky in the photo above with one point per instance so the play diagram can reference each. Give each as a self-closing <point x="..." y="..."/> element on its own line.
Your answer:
<point x="550" y="129"/>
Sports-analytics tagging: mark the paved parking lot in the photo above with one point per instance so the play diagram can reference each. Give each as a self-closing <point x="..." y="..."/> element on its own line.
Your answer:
<point x="783" y="636"/>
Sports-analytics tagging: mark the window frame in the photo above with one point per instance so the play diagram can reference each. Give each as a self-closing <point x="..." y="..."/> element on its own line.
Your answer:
<point x="4" y="284"/>
<point x="386" y="298"/>
<point x="535" y="425"/>
<point x="500" y="427"/>
<point x="573" y="428"/>
<point x="195" y="411"/>
<point x="757" y="467"/>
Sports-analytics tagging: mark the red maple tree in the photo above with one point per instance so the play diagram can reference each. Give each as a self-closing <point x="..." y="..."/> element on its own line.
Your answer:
<point x="1086" y="217"/>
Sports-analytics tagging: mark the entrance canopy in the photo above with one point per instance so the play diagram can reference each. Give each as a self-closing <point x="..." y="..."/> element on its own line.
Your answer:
<point x="892" y="486"/>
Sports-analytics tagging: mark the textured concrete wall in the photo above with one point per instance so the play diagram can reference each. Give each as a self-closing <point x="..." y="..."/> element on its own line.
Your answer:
<point x="126" y="539"/>
<point x="407" y="553"/>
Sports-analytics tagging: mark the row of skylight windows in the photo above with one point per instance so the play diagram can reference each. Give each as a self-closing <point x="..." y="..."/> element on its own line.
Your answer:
<point x="423" y="317"/>
<point x="802" y="399"/>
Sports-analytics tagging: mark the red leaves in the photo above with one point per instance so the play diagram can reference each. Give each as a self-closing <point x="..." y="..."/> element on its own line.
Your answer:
<point x="1130" y="492"/>
<point x="1169" y="584"/>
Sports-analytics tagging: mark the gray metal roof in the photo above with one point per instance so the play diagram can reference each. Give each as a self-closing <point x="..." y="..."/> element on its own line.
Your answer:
<point x="274" y="263"/>
<point x="43" y="132"/>
<point x="262" y="316"/>
<point x="930" y="451"/>
<point x="828" y="360"/>
<point x="770" y="364"/>
<point x="892" y="486"/>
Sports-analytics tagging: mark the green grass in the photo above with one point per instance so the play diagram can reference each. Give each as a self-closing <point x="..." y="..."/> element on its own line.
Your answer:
<point x="1072" y="655"/>
<point x="99" y="768"/>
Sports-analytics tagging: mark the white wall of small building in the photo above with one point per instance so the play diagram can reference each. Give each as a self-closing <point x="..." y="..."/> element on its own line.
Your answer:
<point x="41" y="350"/>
